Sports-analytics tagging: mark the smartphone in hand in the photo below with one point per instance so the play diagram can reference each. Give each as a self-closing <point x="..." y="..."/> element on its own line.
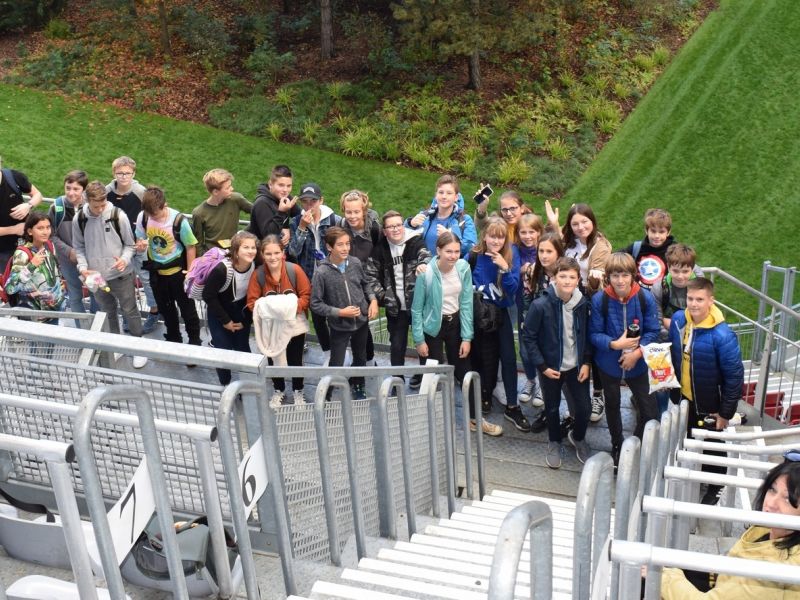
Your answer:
<point x="483" y="194"/>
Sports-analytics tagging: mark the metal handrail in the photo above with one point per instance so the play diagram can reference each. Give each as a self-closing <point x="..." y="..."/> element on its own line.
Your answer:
<point x="535" y="518"/>
<point x="58" y="455"/>
<point x="627" y="485"/>
<point x="717" y="272"/>
<point x="327" y="382"/>
<point x="632" y="555"/>
<point x="666" y="506"/>
<point x="230" y="467"/>
<point x="593" y="504"/>
<point x="692" y="475"/>
<point x="684" y="456"/>
<point x="472" y="384"/>
<point x="94" y="496"/>
<point x="772" y="450"/>
<point x="745" y="436"/>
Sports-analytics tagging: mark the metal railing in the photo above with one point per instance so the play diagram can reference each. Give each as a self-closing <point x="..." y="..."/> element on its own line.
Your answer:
<point x="633" y="555"/>
<point x="536" y="519"/>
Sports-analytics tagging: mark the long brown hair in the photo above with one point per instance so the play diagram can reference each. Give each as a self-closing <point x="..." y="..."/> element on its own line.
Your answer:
<point x="496" y="227"/>
<point x="569" y="236"/>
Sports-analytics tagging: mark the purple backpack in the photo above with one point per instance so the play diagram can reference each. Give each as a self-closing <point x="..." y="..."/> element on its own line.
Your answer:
<point x="198" y="273"/>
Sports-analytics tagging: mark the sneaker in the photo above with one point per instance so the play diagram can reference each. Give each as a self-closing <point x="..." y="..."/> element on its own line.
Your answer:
<point x="358" y="392"/>
<point x="537" y="401"/>
<point x="567" y="424"/>
<point x="539" y="424"/>
<point x="298" y="398"/>
<point x="554" y="453"/>
<point x="598" y="406"/>
<point x="518" y="419"/>
<point x="582" y="450"/>
<point x="277" y="399"/>
<point x="527" y="392"/>
<point x="150" y="323"/>
<point x="487" y="427"/>
<point x="415" y="381"/>
<point x="712" y="495"/>
<point x="139" y="362"/>
<point x="499" y="394"/>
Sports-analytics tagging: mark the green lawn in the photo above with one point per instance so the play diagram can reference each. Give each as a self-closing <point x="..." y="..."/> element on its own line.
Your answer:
<point x="45" y="136"/>
<point x="716" y="142"/>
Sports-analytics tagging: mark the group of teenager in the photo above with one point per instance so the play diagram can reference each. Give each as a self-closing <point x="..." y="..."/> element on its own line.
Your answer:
<point x="460" y="283"/>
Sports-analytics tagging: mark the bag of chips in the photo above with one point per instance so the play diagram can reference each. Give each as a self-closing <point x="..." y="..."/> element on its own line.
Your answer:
<point x="660" y="371"/>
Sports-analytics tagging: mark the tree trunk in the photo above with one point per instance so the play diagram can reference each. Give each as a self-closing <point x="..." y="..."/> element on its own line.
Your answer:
<point x="326" y="29"/>
<point x="132" y="9"/>
<point x="475" y="70"/>
<point x="164" y="27"/>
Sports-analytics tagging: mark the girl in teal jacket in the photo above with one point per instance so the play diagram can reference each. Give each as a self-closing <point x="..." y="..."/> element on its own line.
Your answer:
<point x="441" y="314"/>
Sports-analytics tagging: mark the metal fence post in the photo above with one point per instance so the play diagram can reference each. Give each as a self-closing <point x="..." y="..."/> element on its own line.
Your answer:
<point x="93" y="491"/>
<point x="383" y="458"/>
<point x="472" y="384"/>
<point x="230" y="468"/>
<point x="433" y="453"/>
<point x="762" y="308"/>
<point x="325" y="383"/>
<point x="594" y="500"/>
<point x="624" y="508"/>
<point x="534" y="517"/>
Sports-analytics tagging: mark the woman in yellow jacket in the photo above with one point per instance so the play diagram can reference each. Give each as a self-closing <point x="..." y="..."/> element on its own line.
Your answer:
<point x="780" y="493"/>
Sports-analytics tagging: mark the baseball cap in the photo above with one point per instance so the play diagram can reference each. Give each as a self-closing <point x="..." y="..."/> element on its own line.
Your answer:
<point x="310" y="190"/>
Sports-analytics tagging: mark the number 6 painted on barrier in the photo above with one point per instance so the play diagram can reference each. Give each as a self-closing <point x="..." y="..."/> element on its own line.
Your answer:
<point x="253" y="475"/>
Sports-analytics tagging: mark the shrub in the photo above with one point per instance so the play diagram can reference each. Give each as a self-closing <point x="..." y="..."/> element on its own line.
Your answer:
<point x="57" y="29"/>
<point x="644" y="62"/>
<point x="275" y="131"/>
<point x="660" y="55"/>
<point x="469" y="159"/>
<point x="19" y="14"/>
<point x="558" y="149"/>
<point x="311" y="130"/>
<point x="513" y="169"/>
<point x="204" y="36"/>
<point x="265" y="63"/>
<point x="622" y="91"/>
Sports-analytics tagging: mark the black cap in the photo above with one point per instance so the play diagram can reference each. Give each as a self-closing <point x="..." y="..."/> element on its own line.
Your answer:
<point x="310" y="190"/>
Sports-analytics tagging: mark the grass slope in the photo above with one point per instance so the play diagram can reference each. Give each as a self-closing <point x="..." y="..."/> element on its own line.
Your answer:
<point x="716" y="142"/>
<point x="46" y="135"/>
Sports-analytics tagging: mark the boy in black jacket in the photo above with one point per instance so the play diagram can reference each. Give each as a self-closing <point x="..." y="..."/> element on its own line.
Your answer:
<point x="274" y="206"/>
<point x="392" y="270"/>
<point x="556" y="339"/>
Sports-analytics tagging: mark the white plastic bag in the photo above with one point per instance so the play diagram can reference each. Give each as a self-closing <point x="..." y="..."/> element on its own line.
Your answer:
<point x="660" y="371"/>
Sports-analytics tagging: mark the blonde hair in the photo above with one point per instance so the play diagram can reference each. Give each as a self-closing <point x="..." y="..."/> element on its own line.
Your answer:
<point x="621" y="262"/>
<point x="216" y="178"/>
<point x="496" y="227"/>
<point x="355" y="195"/>
<point x="531" y="221"/>
<point x="123" y="161"/>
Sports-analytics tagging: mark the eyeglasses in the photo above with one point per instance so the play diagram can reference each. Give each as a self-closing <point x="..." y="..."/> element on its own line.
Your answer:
<point x="509" y="209"/>
<point x="123" y="174"/>
<point x="392" y="227"/>
<point x="792" y="455"/>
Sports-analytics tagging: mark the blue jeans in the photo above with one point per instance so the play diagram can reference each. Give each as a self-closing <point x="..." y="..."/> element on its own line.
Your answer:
<point x="144" y="276"/>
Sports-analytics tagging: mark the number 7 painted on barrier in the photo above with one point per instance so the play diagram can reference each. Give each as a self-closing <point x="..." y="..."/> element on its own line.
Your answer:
<point x="130" y="515"/>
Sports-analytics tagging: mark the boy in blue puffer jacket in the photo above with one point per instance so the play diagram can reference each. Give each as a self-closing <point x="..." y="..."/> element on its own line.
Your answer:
<point x="618" y="356"/>
<point x="708" y="363"/>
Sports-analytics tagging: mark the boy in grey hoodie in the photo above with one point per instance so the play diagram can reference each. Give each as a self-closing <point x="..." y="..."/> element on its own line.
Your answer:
<point x="340" y="292"/>
<point x="103" y="242"/>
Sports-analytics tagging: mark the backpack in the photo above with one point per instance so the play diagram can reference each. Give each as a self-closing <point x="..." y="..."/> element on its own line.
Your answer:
<point x="261" y="275"/>
<point x="114" y="220"/>
<point x="201" y="268"/>
<point x="9" y="177"/>
<point x="11" y="299"/>
<point x="637" y="248"/>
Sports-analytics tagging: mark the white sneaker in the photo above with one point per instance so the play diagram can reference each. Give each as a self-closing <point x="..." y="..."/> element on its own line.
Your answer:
<point x="139" y="362"/>
<point x="537" y="401"/>
<point x="298" y="397"/>
<point x="277" y="400"/>
<point x="499" y="394"/>
<point x="527" y="392"/>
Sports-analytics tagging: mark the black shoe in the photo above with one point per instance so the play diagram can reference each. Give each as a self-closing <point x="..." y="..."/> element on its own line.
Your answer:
<point x="712" y="495"/>
<point x="567" y="425"/>
<point x="416" y="381"/>
<point x="539" y="424"/>
<point x="518" y="419"/>
<point x="486" y="406"/>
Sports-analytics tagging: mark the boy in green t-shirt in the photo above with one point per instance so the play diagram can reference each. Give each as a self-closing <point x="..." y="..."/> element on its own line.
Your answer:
<point x="216" y="220"/>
